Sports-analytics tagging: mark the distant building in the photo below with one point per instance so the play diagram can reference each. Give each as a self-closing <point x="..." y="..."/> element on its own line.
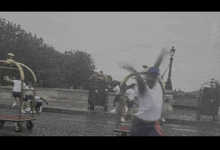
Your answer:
<point x="178" y="93"/>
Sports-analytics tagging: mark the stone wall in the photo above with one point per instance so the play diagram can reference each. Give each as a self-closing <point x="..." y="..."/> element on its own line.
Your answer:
<point x="55" y="94"/>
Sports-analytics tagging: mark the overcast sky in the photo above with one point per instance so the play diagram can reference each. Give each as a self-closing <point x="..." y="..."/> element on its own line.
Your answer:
<point x="136" y="38"/>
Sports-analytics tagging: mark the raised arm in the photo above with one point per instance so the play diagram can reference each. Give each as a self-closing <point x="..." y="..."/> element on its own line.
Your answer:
<point x="6" y="78"/>
<point x="44" y="100"/>
<point x="140" y="82"/>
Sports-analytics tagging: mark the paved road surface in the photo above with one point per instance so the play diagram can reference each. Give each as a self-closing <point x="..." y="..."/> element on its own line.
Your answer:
<point x="189" y="130"/>
<point x="53" y="124"/>
<point x="95" y="123"/>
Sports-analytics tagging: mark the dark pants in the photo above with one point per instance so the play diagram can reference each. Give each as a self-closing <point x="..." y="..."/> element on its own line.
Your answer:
<point x="130" y="103"/>
<point x="38" y="105"/>
<point x="117" y="98"/>
<point x="27" y="97"/>
<point x="141" y="128"/>
<point x="16" y="94"/>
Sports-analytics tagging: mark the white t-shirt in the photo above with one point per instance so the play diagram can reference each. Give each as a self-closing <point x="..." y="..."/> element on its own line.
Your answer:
<point x="37" y="98"/>
<point x="150" y="105"/>
<point x="17" y="85"/>
<point x="117" y="90"/>
<point x="130" y="94"/>
<point x="29" y="92"/>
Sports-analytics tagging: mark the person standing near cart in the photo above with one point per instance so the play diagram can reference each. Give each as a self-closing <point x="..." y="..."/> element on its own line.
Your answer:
<point x="117" y="97"/>
<point x="29" y="95"/>
<point x="16" y="90"/>
<point x="39" y="103"/>
<point x="116" y="100"/>
<point x="131" y="96"/>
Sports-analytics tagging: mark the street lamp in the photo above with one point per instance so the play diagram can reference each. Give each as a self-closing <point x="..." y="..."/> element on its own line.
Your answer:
<point x="168" y="83"/>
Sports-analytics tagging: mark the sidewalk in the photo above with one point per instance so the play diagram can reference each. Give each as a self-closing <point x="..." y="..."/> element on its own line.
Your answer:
<point x="181" y="114"/>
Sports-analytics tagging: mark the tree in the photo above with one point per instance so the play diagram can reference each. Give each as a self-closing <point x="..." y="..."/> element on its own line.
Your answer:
<point x="79" y="66"/>
<point x="71" y="68"/>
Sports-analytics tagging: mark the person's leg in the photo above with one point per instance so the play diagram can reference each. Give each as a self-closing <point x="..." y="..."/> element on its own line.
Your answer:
<point x="14" y="103"/>
<point x="40" y="105"/>
<point x="116" y="99"/>
<point x="157" y="129"/>
<point x="136" y="128"/>
<point x="130" y="104"/>
<point x="14" y="95"/>
<point x="114" y="102"/>
<point x="26" y="106"/>
<point x="153" y="132"/>
<point x="21" y="103"/>
<point x="29" y="97"/>
<point x="25" y="101"/>
<point x="142" y="129"/>
<point x="33" y="106"/>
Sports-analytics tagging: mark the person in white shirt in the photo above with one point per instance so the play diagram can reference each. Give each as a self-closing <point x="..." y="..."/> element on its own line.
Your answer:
<point x="131" y="95"/>
<point x="16" y="89"/>
<point x="150" y="98"/>
<point x="29" y="95"/>
<point x="39" y="103"/>
<point x="117" y="97"/>
<point x="116" y="100"/>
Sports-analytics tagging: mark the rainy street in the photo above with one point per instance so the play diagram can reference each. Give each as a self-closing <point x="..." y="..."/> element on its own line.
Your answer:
<point x="97" y="124"/>
<point x="84" y="71"/>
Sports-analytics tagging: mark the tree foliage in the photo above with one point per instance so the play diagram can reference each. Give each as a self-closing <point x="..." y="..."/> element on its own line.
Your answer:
<point x="71" y="68"/>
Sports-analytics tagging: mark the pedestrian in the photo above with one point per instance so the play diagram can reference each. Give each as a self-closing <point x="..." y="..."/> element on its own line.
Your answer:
<point x="130" y="94"/>
<point x="150" y="99"/>
<point x="16" y="90"/>
<point x="116" y="100"/>
<point x="39" y="103"/>
<point x="117" y="97"/>
<point x="29" y="95"/>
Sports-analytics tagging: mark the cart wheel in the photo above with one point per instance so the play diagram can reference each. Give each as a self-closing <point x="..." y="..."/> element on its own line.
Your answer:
<point x="29" y="125"/>
<point x="198" y="117"/>
<point x="17" y="127"/>
<point x="2" y="122"/>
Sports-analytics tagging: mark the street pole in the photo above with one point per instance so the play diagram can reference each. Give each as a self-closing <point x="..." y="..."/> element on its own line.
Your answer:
<point x="168" y="85"/>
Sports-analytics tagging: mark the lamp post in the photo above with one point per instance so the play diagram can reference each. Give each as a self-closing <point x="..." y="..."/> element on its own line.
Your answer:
<point x="168" y="83"/>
